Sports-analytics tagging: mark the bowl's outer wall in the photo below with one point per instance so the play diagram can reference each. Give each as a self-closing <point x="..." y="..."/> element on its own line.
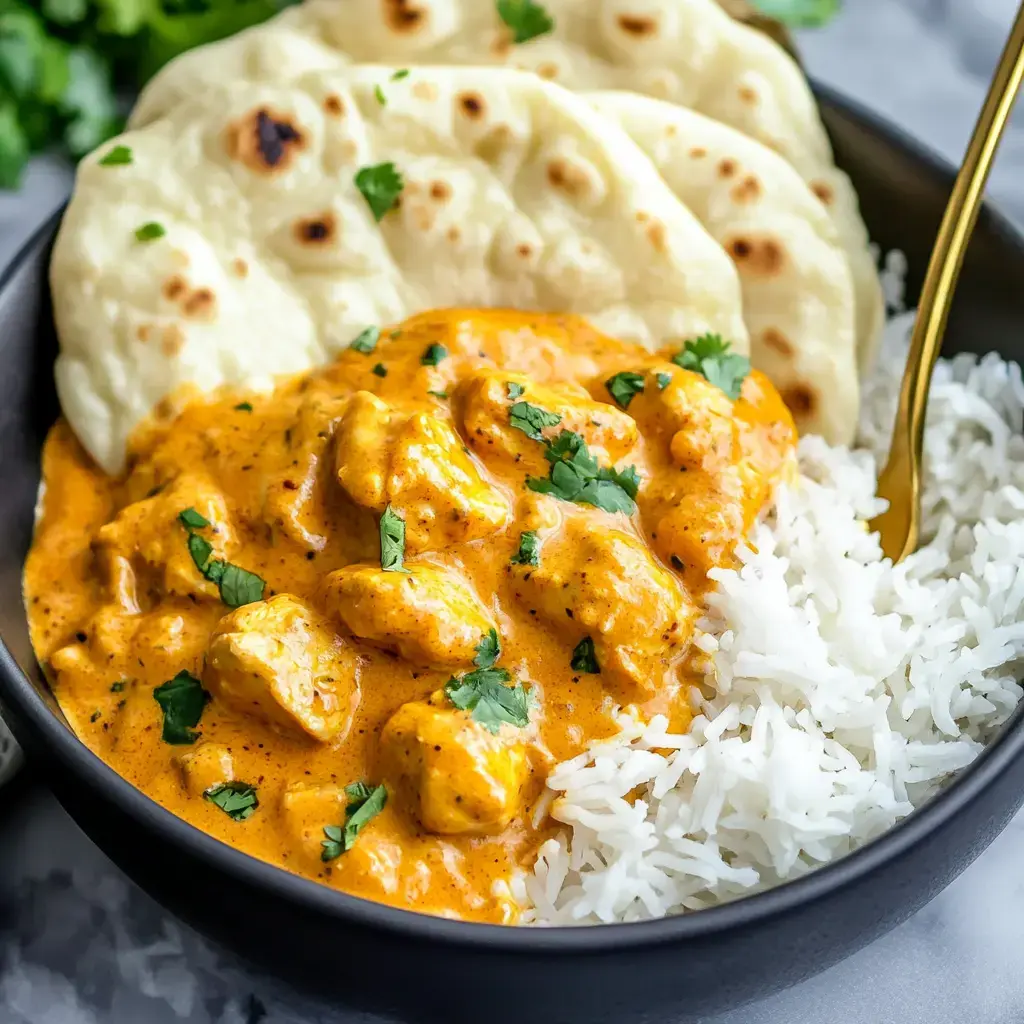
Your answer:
<point x="678" y="970"/>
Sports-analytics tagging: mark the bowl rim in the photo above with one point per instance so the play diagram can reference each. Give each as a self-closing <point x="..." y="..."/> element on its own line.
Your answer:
<point x="741" y="914"/>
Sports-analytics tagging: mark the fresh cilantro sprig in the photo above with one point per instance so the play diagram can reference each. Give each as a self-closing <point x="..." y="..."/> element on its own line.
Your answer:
<point x="484" y="692"/>
<point x="63" y="62"/>
<point x="392" y="541"/>
<point x="625" y="386"/>
<point x="527" y="19"/>
<point x="182" y="700"/>
<point x="576" y="476"/>
<point x="710" y="356"/>
<point x="237" y="586"/>
<point x="237" y="800"/>
<point x="380" y="185"/>
<point x="365" y="802"/>
<point x="800" y="13"/>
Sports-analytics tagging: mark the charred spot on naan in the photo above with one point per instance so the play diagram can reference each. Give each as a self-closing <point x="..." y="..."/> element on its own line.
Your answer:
<point x="320" y="229"/>
<point x="823" y="191"/>
<point x="195" y="303"/>
<point x="801" y="400"/>
<point x="472" y="105"/>
<point x="638" y="25"/>
<point x="761" y="257"/>
<point x="746" y="191"/>
<point x="404" y="16"/>
<point x="265" y="141"/>
<point x="775" y="340"/>
<point x="334" y="105"/>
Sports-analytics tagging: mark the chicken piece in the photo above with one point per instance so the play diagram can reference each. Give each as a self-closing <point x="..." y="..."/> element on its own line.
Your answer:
<point x="429" y="615"/>
<point x="204" y="766"/>
<point x="281" y="661"/>
<point x="147" y="534"/>
<point x="604" y="583"/>
<point x="456" y="776"/>
<point x="486" y="402"/>
<point x="733" y="455"/>
<point x="416" y="462"/>
<point x="293" y="504"/>
<point x="372" y="864"/>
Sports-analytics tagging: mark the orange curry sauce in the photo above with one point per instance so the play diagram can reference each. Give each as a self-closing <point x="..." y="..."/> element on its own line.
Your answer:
<point x="338" y="675"/>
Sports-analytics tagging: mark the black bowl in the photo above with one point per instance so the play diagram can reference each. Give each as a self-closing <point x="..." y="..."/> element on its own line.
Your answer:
<point x="418" y="967"/>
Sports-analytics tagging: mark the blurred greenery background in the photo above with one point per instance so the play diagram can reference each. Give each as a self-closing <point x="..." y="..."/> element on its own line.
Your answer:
<point x="66" y="64"/>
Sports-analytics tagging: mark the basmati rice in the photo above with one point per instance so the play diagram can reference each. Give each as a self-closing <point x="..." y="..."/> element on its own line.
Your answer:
<point x="845" y="689"/>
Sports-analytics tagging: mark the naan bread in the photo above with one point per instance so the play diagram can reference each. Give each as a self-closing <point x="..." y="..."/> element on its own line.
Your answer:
<point x="798" y="300"/>
<point x="689" y="52"/>
<point x="517" y="194"/>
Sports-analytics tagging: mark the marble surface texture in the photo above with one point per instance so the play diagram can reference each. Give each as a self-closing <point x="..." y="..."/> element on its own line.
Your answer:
<point x="80" y="945"/>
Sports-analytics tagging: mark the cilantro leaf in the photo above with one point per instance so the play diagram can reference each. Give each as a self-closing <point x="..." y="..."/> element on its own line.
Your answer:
<point x="584" y="657"/>
<point x="191" y="518"/>
<point x="182" y="700"/>
<point x="800" y="13"/>
<point x="531" y="419"/>
<point x="529" y="550"/>
<point x="709" y="356"/>
<point x="623" y="387"/>
<point x="434" y="355"/>
<point x="400" y="74"/>
<point x="239" y="587"/>
<point x="527" y="19"/>
<point x="236" y="799"/>
<point x="365" y="803"/>
<point x="117" y="156"/>
<point x="243" y="407"/>
<point x="381" y="185"/>
<point x="484" y="694"/>
<point x="514" y="390"/>
<point x="488" y="651"/>
<point x="380" y="370"/>
<point x="366" y="342"/>
<point x="576" y="476"/>
<point x="378" y="92"/>
<point x="150" y="232"/>
<point x="664" y="379"/>
<point x="392" y="541"/>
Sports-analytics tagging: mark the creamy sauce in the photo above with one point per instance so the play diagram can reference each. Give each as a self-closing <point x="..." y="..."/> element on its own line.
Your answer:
<point x="293" y="485"/>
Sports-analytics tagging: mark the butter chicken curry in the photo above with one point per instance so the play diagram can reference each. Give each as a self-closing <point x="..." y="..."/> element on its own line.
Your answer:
<point x="349" y="626"/>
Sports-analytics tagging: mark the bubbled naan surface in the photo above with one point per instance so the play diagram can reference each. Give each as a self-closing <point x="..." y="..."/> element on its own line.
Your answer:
<point x="517" y="194"/>
<point x="689" y="52"/>
<point x="798" y="296"/>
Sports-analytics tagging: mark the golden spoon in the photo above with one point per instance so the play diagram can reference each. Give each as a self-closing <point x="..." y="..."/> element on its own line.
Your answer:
<point x="900" y="480"/>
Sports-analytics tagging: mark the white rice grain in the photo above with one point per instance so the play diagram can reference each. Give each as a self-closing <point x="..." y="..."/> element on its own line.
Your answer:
<point x="846" y="689"/>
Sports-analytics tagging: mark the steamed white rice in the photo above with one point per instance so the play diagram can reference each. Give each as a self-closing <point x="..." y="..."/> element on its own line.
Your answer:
<point x="845" y="689"/>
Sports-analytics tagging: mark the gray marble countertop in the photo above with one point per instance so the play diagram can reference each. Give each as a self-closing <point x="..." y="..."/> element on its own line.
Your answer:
<point x="79" y="944"/>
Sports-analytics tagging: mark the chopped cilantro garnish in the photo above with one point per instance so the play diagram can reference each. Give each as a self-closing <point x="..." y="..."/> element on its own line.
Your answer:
<point x="243" y="407"/>
<point x="237" y="586"/>
<point x="392" y="541"/>
<point x="663" y="379"/>
<point x="150" y="232"/>
<point x="236" y="799"/>
<point x="527" y="19"/>
<point x="514" y="390"/>
<point x="709" y="356"/>
<point x="529" y="550"/>
<point x="532" y="419"/>
<point x="400" y="74"/>
<point x="484" y="694"/>
<point x="365" y="803"/>
<point x="576" y="476"/>
<point x="380" y="370"/>
<point x="584" y="657"/>
<point x="366" y="341"/>
<point x="488" y="651"/>
<point x="182" y="700"/>
<point x="433" y="355"/>
<point x="379" y="93"/>
<point x="438" y="394"/>
<point x="117" y="687"/>
<point x="623" y="387"/>
<point x="192" y="519"/>
<point x="381" y="185"/>
<point x="118" y="156"/>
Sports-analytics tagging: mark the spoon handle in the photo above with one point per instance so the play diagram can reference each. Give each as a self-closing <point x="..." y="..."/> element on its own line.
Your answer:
<point x="900" y="480"/>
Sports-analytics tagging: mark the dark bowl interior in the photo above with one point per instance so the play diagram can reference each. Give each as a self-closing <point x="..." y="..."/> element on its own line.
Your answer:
<point x="365" y="955"/>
